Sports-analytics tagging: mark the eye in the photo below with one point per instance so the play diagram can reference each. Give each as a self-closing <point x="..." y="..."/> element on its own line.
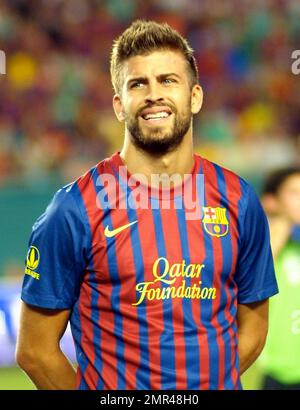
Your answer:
<point x="169" y="79"/>
<point x="134" y="85"/>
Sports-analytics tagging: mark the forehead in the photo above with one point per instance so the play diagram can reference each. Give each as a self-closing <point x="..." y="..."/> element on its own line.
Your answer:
<point x="155" y="63"/>
<point x="292" y="182"/>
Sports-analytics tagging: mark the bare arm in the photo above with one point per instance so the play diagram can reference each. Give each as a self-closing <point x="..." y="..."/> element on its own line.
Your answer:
<point x="38" y="352"/>
<point x="252" y="321"/>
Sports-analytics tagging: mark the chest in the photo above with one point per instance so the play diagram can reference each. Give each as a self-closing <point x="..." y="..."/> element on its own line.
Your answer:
<point x="164" y="247"/>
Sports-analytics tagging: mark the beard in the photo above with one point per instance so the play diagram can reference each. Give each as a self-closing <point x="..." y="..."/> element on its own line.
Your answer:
<point x="161" y="139"/>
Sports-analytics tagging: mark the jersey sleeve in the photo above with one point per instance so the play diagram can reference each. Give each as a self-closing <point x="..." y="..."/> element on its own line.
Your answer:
<point x="55" y="260"/>
<point x="255" y="276"/>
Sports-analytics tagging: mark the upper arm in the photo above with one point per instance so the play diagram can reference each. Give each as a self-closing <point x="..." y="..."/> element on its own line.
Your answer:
<point x="40" y="330"/>
<point x="253" y="318"/>
<point x="56" y="259"/>
<point x="254" y="275"/>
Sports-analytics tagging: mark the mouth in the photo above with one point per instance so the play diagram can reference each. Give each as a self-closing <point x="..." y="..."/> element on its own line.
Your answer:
<point x="157" y="120"/>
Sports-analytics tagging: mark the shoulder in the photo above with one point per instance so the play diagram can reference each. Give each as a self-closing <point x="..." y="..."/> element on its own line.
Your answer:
<point x="68" y="202"/>
<point x="232" y="179"/>
<point x="77" y="199"/>
<point x="86" y="183"/>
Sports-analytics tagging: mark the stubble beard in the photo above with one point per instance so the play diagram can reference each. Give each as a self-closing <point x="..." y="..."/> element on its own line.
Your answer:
<point x="155" y="140"/>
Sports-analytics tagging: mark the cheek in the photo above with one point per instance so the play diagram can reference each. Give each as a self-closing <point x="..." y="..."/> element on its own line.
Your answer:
<point x="131" y="104"/>
<point x="296" y="205"/>
<point x="131" y="112"/>
<point x="182" y="108"/>
<point x="291" y="205"/>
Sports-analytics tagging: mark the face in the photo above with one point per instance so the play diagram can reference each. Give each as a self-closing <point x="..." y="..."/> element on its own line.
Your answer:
<point x="288" y="198"/>
<point x="156" y="103"/>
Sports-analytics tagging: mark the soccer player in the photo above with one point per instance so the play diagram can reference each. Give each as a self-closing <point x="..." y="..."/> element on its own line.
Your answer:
<point x="281" y="356"/>
<point x="165" y="283"/>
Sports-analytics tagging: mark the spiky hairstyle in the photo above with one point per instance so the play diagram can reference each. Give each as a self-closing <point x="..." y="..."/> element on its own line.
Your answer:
<point x="144" y="37"/>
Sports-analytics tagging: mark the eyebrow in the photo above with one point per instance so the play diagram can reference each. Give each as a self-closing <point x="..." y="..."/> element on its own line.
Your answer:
<point x="160" y="76"/>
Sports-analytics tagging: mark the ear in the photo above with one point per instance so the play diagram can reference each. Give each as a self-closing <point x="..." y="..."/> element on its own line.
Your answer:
<point x="197" y="99"/>
<point x="118" y="108"/>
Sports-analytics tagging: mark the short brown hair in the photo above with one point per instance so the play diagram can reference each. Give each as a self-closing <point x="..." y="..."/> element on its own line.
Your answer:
<point x="144" y="37"/>
<point x="277" y="178"/>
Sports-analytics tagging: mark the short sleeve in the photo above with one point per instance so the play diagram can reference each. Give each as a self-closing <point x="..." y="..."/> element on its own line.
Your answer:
<point x="255" y="276"/>
<point x="55" y="260"/>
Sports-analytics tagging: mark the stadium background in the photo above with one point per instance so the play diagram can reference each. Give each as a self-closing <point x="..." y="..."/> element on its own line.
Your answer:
<point x="56" y="117"/>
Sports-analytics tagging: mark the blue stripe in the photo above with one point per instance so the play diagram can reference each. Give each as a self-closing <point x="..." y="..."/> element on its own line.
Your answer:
<point x="77" y="329"/>
<point x="116" y="287"/>
<point x="167" y="348"/>
<point x="143" y="373"/>
<point x="77" y="335"/>
<point x="226" y="268"/>
<point x="241" y="207"/>
<point x="190" y="328"/>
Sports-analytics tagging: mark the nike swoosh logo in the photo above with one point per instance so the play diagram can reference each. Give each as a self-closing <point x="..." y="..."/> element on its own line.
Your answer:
<point x="109" y="234"/>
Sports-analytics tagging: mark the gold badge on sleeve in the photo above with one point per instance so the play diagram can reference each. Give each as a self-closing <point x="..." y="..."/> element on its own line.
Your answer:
<point x="32" y="262"/>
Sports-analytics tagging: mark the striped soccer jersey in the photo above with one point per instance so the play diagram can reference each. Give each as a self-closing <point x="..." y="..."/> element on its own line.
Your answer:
<point x="152" y="286"/>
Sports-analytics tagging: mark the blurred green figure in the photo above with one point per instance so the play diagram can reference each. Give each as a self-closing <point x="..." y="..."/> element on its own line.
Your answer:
<point x="280" y="358"/>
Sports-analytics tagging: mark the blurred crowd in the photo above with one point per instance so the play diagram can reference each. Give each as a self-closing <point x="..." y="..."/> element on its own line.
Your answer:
<point x="56" y="115"/>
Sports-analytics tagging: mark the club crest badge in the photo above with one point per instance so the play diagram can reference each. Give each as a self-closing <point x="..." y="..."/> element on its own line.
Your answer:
<point x="215" y="221"/>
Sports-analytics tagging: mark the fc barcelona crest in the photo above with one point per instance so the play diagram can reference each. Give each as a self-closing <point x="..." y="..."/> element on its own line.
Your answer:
<point x="215" y="221"/>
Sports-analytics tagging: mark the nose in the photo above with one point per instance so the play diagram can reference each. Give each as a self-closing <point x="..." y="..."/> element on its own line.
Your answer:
<point x="154" y="92"/>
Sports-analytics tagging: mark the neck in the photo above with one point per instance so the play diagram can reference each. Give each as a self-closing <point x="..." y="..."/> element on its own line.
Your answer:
<point x="179" y="161"/>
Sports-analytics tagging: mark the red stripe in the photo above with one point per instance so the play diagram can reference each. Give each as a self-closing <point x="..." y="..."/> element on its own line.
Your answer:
<point x="108" y="343"/>
<point x="197" y="255"/>
<point x="78" y="377"/>
<point x="90" y="374"/>
<point x="104" y="289"/>
<point x="233" y="191"/>
<point x="127" y="276"/>
<point x="174" y="255"/>
<point x="153" y="313"/>
<point x="85" y="302"/>
<point x="213" y="199"/>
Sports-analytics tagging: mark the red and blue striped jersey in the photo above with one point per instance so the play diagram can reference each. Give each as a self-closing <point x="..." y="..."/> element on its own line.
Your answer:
<point x="153" y="292"/>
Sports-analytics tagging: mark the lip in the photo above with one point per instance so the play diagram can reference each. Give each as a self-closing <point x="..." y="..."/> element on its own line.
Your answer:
<point x="155" y="110"/>
<point x="160" y="121"/>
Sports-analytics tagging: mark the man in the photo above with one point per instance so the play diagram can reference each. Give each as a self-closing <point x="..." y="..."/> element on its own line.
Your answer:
<point x="159" y="296"/>
<point x="281" y="356"/>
